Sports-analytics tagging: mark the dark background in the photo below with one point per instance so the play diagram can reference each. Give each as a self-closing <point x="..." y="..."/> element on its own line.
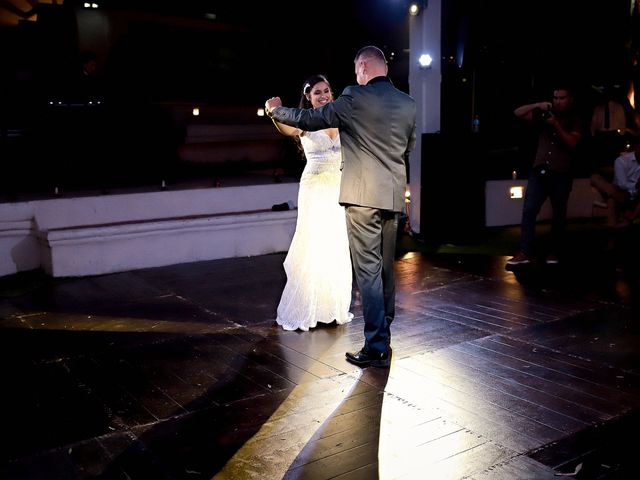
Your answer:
<point x="497" y="53"/>
<point x="251" y="49"/>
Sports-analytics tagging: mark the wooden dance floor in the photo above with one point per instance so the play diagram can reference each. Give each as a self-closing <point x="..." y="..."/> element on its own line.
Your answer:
<point x="180" y="373"/>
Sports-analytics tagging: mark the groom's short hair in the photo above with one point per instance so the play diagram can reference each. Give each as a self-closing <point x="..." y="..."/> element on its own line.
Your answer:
<point x="370" y="52"/>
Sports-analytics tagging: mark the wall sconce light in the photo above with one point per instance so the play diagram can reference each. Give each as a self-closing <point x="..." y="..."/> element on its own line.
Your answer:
<point x="425" y="61"/>
<point x="195" y="112"/>
<point x="261" y="112"/>
<point x="516" y="192"/>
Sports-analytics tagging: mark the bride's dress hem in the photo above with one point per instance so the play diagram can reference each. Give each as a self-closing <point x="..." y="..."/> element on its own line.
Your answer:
<point x="306" y="328"/>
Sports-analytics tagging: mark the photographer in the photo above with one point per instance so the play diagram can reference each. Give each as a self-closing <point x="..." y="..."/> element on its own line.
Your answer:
<point x="559" y="133"/>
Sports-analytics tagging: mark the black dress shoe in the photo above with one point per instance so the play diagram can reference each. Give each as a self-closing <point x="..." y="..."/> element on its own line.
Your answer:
<point x="365" y="359"/>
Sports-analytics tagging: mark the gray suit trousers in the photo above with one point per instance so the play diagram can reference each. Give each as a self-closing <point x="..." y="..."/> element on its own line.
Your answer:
<point x="372" y="240"/>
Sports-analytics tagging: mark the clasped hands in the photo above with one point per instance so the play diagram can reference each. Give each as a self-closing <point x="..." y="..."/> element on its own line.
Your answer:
<point x="272" y="103"/>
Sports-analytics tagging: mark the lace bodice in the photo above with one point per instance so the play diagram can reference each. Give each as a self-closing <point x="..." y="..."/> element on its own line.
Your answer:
<point x="323" y="154"/>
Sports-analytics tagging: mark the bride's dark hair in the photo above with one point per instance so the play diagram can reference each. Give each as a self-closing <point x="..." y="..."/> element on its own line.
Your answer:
<point x="306" y="103"/>
<point x="307" y="86"/>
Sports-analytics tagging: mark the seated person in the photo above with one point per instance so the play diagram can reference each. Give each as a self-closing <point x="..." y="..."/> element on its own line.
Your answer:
<point x="621" y="194"/>
<point x="613" y="123"/>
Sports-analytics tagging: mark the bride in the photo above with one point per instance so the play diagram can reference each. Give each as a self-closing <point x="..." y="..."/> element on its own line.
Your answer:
<point x="317" y="265"/>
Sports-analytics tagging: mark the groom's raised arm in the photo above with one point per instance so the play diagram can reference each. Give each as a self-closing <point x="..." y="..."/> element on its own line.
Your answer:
<point x="310" y="119"/>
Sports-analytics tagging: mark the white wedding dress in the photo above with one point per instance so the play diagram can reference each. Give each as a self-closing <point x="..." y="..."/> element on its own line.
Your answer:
<point x="318" y="265"/>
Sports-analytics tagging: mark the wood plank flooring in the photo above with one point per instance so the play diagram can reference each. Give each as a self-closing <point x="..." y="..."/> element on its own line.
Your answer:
<point x="180" y="373"/>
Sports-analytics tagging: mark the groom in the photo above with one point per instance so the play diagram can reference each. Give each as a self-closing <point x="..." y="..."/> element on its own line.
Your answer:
<point x="377" y="124"/>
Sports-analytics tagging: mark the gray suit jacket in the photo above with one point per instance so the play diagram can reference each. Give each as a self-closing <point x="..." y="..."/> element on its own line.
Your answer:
<point x="377" y="125"/>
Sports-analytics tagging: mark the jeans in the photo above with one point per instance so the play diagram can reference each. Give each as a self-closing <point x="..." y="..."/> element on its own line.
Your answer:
<point x="556" y="187"/>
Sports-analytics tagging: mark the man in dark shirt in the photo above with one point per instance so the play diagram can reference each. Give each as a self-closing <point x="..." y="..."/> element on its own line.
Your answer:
<point x="550" y="177"/>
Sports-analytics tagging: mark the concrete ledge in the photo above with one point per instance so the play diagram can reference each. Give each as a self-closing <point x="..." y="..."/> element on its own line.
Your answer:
<point x="119" y="232"/>
<point x="94" y="250"/>
<point x="19" y="246"/>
